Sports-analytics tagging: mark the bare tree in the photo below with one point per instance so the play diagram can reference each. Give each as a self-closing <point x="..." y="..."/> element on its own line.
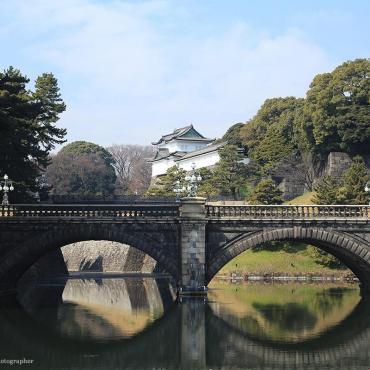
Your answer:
<point x="132" y="169"/>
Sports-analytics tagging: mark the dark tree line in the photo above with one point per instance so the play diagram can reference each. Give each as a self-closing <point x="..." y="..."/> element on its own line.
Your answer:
<point x="28" y="130"/>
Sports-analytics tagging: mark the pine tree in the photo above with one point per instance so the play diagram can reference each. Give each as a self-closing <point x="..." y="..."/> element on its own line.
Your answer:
<point x="228" y="176"/>
<point x="266" y="192"/>
<point x="166" y="185"/>
<point x="27" y="129"/>
<point x="326" y="191"/>
<point x="354" y="182"/>
<point x="349" y="189"/>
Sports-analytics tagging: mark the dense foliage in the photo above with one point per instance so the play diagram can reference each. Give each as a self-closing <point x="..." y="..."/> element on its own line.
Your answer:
<point x="232" y="135"/>
<point x="336" y="112"/>
<point x="349" y="189"/>
<point x="266" y="192"/>
<point x="334" y="116"/>
<point x="82" y="168"/>
<point x="229" y="173"/>
<point x="270" y="135"/>
<point x="167" y="184"/>
<point x="28" y="129"/>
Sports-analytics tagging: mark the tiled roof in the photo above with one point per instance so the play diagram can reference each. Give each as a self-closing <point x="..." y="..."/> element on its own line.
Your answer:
<point x="159" y="156"/>
<point x="179" y="132"/>
<point x="207" y="149"/>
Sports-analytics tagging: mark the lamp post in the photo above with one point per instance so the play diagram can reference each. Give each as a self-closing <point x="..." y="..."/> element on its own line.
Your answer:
<point x="6" y="185"/>
<point x="178" y="189"/>
<point x="367" y="188"/>
<point x="193" y="179"/>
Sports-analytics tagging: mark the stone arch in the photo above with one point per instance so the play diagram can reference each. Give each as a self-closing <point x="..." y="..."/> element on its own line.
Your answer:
<point x="157" y="246"/>
<point x="352" y="251"/>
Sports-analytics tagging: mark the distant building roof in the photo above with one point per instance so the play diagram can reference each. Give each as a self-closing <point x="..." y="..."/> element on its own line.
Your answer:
<point x="183" y="133"/>
<point x="179" y="156"/>
<point x="162" y="154"/>
<point x="205" y="150"/>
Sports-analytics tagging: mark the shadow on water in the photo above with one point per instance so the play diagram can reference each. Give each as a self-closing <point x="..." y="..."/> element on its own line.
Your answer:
<point x="72" y="329"/>
<point x="289" y="316"/>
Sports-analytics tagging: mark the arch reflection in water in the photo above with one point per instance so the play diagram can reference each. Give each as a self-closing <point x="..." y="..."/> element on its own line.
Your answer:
<point x="100" y="309"/>
<point x="198" y="334"/>
<point x="287" y="312"/>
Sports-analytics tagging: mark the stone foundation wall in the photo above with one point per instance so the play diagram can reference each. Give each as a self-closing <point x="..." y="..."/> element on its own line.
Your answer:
<point x="291" y="188"/>
<point x="106" y="256"/>
<point x="99" y="256"/>
<point x="337" y="164"/>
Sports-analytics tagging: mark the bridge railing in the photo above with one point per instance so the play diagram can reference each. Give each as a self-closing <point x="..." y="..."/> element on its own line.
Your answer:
<point x="288" y="211"/>
<point x="89" y="211"/>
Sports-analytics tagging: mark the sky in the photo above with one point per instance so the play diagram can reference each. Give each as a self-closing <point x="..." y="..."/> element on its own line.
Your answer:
<point x="130" y="71"/>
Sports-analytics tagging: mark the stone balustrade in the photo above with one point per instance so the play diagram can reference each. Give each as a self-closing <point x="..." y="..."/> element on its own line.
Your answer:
<point x="309" y="212"/>
<point x="89" y="211"/>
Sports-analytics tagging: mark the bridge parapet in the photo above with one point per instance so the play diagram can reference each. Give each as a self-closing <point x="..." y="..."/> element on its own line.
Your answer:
<point x="89" y="211"/>
<point x="281" y="212"/>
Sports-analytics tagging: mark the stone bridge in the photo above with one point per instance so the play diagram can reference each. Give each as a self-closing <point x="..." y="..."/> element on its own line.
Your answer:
<point x="191" y="239"/>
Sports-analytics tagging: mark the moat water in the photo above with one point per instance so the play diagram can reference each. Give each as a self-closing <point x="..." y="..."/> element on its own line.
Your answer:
<point x="137" y="323"/>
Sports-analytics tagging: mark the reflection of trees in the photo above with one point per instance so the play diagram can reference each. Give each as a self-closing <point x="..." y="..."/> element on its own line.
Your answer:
<point x="326" y="300"/>
<point x="343" y="346"/>
<point x="291" y="316"/>
<point x="285" y="312"/>
<point x="159" y="346"/>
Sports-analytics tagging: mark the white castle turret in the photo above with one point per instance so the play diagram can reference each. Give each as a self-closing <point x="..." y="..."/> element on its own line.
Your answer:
<point x="182" y="148"/>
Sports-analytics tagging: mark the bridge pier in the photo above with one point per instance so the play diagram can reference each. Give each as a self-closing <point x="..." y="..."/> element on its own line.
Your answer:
<point x="193" y="333"/>
<point x="192" y="246"/>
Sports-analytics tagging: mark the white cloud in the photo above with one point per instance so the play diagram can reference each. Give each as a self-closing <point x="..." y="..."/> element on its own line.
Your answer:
<point x="129" y="74"/>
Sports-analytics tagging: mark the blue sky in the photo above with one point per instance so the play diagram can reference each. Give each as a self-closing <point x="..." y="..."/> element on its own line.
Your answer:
<point x="130" y="71"/>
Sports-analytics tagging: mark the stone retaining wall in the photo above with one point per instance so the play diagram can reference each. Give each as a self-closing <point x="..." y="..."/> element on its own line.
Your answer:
<point x="106" y="256"/>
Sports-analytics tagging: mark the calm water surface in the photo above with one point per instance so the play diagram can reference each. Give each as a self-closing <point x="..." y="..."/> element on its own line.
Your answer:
<point x="137" y="323"/>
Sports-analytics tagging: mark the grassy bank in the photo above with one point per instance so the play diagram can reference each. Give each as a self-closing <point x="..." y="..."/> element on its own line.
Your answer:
<point x="279" y="263"/>
<point x="298" y="261"/>
<point x="305" y="198"/>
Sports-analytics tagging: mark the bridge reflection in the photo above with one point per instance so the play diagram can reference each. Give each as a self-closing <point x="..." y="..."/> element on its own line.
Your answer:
<point x="74" y="331"/>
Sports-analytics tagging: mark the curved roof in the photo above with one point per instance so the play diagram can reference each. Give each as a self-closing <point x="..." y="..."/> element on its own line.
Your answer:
<point x="183" y="133"/>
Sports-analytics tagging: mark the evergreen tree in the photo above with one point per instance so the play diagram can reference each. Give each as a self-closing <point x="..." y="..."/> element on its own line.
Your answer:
<point x="82" y="169"/>
<point x="233" y="136"/>
<point x="276" y="117"/>
<point x="336" y="112"/>
<point x="326" y="191"/>
<point x="229" y="173"/>
<point x="354" y="181"/>
<point x="27" y="129"/>
<point x="266" y="192"/>
<point x="166" y="185"/>
<point x="206" y="187"/>
<point x="349" y="189"/>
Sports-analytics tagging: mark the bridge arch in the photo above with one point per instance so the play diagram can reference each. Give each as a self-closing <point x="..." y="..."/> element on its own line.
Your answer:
<point x="352" y="251"/>
<point x="162" y="247"/>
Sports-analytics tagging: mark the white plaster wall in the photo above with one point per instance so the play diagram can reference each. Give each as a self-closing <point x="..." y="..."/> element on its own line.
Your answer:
<point x="205" y="160"/>
<point x="161" y="167"/>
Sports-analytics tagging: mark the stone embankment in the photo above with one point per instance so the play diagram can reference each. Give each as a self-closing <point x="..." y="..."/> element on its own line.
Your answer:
<point x="106" y="256"/>
<point x="93" y="256"/>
